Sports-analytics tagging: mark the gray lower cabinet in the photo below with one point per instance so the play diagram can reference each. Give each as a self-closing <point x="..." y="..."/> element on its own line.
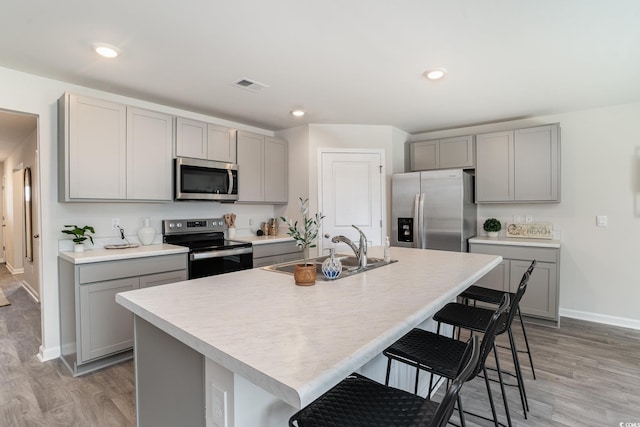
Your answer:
<point x="95" y="330"/>
<point x="275" y="253"/>
<point x="540" y="300"/>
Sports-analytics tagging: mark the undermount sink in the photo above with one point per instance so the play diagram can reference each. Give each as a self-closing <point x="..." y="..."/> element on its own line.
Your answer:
<point x="350" y="266"/>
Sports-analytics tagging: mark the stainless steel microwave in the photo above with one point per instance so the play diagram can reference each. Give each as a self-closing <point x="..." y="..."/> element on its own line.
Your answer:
<point x="197" y="179"/>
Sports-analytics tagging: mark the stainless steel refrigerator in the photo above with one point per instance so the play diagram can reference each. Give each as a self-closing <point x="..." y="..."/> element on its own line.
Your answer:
<point x="433" y="210"/>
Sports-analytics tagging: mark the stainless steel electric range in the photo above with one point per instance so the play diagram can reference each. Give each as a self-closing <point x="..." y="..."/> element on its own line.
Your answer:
<point x="209" y="252"/>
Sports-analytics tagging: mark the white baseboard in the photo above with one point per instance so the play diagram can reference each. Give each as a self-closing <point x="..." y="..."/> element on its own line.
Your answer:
<point x="48" y="353"/>
<point x="13" y="270"/>
<point x="30" y="291"/>
<point x="601" y="318"/>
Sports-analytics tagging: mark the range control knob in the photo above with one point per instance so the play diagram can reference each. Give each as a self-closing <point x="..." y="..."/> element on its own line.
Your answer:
<point x="171" y="225"/>
<point x="179" y="225"/>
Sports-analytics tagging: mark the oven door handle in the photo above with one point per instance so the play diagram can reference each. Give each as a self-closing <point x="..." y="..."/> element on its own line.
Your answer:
<point x="219" y="254"/>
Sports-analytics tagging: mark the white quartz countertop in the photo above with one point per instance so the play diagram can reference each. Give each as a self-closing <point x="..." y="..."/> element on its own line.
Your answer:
<point x="101" y="254"/>
<point x="516" y="241"/>
<point x="259" y="240"/>
<point x="297" y="342"/>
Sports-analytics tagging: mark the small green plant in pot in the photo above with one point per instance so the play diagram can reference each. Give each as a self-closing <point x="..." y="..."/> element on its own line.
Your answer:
<point x="79" y="235"/>
<point x="305" y="237"/>
<point x="492" y="226"/>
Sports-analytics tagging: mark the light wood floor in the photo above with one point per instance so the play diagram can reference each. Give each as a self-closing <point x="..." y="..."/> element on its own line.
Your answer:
<point x="588" y="375"/>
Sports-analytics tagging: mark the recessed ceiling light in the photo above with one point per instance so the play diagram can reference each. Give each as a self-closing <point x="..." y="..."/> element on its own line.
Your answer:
<point x="106" y="50"/>
<point x="435" y="73"/>
<point x="297" y="112"/>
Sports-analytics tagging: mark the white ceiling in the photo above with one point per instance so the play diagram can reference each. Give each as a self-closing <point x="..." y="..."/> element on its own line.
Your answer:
<point x="348" y="61"/>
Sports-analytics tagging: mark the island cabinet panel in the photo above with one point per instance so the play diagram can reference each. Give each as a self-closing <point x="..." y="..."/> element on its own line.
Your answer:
<point x="446" y="153"/>
<point x="95" y="330"/>
<point x="162" y="360"/>
<point x="112" y="152"/>
<point x="275" y="253"/>
<point x="263" y="169"/>
<point x="520" y="165"/>
<point x="540" y="300"/>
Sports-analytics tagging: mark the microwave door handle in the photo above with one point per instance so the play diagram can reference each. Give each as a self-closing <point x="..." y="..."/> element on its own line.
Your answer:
<point x="230" y="173"/>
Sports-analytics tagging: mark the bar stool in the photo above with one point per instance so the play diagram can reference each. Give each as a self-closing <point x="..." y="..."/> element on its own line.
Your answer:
<point x="441" y="356"/>
<point x="360" y="402"/>
<point x="476" y="319"/>
<point x="494" y="296"/>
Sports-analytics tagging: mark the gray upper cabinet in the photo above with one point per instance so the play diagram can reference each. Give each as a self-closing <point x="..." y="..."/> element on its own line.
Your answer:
<point x="263" y="169"/>
<point x="149" y="148"/>
<point x="518" y="166"/>
<point x="111" y="152"/>
<point x="200" y="140"/>
<point x="446" y="153"/>
<point x="191" y="138"/>
<point x="221" y="144"/>
<point x="93" y="149"/>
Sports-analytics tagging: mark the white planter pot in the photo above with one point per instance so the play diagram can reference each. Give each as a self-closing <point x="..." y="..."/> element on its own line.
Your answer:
<point x="78" y="247"/>
<point x="492" y="234"/>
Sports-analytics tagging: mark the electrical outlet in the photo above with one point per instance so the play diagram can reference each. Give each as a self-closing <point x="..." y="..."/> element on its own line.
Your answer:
<point x="115" y="223"/>
<point x="218" y="407"/>
<point x="602" y="221"/>
<point x="528" y="219"/>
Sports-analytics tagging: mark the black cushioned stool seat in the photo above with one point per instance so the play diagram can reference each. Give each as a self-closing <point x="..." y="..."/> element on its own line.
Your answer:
<point x="360" y="402"/>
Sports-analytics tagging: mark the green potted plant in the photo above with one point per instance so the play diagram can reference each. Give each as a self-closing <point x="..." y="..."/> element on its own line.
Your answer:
<point x="79" y="235"/>
<point x="305" y="236"/>
<point x="492" y="226"/>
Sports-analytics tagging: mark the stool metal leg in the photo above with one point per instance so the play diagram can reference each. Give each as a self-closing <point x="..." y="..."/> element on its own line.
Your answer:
<point x="526" y="343"/>
<point x="504" y="394"/>
<point x="516" y="366"/>
<point x="491" y="403"/>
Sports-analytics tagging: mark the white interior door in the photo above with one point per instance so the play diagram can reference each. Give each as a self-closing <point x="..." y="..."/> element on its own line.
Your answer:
<point x="351" y="193"/>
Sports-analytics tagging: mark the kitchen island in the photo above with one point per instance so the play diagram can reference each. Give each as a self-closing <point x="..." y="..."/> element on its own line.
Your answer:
<point x="250" y="348"/>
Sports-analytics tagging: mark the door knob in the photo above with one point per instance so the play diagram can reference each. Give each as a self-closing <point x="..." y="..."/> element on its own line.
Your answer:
<point x="35" y="236"/>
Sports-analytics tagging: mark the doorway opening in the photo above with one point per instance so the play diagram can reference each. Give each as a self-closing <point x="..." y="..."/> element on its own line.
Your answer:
<point x="20" y="248"/>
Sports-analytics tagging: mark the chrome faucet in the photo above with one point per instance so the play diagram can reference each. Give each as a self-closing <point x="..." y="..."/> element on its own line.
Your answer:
<point x="361" y="251"/>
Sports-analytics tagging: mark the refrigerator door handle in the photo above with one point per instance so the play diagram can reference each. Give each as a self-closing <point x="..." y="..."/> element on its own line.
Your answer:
<point x="416" y="221"/>
<point x="421" y="225"/>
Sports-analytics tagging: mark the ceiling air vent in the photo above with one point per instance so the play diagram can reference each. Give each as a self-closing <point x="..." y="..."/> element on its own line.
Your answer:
<point x="250" y="85"/>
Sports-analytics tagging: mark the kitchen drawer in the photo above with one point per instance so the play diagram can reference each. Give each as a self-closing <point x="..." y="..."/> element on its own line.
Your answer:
<point x="110" y="270"/>
<point x="271" y="249"/>
<point x="517" y="252"/>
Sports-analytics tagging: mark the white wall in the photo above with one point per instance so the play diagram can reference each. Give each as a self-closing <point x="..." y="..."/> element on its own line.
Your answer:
<point x="600" y="173"/>
<point x="27" y="93"/>
<point x="306" y="141"/>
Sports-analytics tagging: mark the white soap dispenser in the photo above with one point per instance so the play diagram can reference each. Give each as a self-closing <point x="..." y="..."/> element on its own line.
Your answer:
<point x="387" y="251"/>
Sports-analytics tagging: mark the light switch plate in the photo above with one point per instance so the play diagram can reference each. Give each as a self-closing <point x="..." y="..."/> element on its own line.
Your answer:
<point x="602" y="221"/>
<point x="528" y="219"/>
